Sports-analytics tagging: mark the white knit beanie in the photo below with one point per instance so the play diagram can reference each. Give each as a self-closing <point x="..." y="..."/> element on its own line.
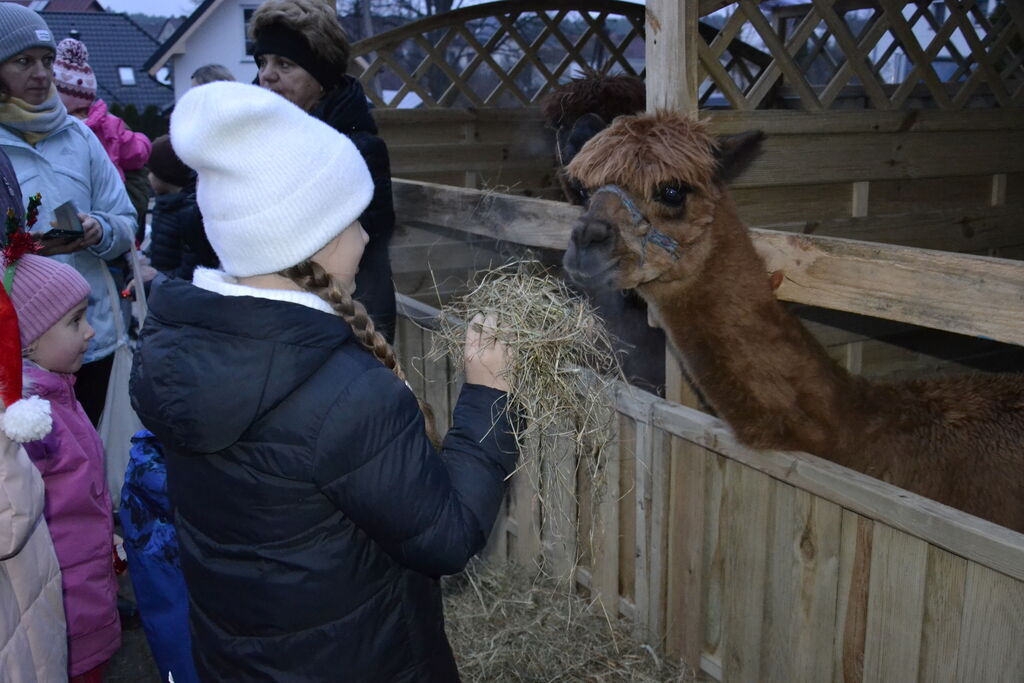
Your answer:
<point x="274" y="184"/>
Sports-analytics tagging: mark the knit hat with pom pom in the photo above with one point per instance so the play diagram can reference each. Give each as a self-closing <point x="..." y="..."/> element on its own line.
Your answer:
<point x="275" y="184"/>
<point x="43" y="292"/>
<point x="73" y="76"/>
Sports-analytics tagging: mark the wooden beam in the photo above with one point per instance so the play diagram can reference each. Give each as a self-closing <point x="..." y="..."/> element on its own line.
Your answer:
<point x="671" y="55"/>
<point x="974" y="295"/>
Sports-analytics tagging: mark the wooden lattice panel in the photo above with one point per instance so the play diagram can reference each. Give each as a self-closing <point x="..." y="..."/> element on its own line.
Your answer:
<point x="820" y="54"/>
<point x="874" y="54"/>
<point x="500" y="54"/>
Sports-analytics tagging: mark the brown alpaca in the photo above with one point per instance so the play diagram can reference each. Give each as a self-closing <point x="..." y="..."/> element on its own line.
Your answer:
<point x="660" y="221"/>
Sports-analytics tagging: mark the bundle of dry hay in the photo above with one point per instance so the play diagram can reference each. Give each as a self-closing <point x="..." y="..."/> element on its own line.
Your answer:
<point x="508" y="625"/>
<point x="562" y="359"/>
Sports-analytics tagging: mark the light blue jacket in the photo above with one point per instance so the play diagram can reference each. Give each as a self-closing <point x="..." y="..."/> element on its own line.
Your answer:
<point x="71" y="163"/>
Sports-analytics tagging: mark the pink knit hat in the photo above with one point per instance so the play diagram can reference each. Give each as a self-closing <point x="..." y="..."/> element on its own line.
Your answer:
<point x="73" y="76"/>
<point x="44" y="290"/>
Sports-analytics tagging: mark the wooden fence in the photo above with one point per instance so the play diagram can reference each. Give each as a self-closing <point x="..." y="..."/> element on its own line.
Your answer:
<point x="762" y="565"/>
<point x="759" y="565"/>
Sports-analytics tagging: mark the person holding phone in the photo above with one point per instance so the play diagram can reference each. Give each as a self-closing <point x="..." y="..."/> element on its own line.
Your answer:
<point x="56" y="155"/>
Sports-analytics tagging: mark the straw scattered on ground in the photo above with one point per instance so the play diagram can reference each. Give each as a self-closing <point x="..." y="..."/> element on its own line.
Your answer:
<point x="506" y="624"/>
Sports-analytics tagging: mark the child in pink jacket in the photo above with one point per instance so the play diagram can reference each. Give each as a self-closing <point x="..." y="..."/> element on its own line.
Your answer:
<point x="50" y="298"/>
<point x="76" y="85"/>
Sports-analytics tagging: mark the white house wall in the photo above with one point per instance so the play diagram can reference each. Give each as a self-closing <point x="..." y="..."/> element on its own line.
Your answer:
<point x="218" y="39"/>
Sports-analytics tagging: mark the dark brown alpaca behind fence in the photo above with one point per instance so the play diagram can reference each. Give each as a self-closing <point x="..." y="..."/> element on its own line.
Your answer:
<point x="660" y="221"/>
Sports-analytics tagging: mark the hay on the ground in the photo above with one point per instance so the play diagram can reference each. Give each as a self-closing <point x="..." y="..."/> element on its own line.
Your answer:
<point x="506" y="624"/>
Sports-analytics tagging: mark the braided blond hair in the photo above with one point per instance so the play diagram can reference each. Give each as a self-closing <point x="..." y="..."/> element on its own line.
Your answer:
<point x="311" y="277"/>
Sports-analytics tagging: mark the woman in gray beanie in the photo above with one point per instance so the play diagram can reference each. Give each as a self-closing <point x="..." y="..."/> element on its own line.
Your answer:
<point x="56" y="155"/>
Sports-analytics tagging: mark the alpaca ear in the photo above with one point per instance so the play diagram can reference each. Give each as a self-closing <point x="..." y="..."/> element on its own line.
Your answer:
<point x="736" y="153"/>
<point x="571" y="140"/>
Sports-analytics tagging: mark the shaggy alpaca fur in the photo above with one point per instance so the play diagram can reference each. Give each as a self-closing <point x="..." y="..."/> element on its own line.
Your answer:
<point x="606" y="96"/>
<point x="958" y="440"/>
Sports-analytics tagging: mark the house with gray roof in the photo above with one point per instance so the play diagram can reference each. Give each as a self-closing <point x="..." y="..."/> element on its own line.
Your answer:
<point x="118" y="48"/>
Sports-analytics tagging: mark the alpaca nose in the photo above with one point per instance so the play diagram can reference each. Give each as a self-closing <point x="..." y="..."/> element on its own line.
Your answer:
<point x="590" y="231"/>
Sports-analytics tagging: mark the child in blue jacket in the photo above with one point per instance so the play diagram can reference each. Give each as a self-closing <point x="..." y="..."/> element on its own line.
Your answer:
<point x="313" y="513"/>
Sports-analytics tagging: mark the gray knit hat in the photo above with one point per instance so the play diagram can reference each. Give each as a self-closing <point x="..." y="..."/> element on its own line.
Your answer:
<point x="21" y="29"/>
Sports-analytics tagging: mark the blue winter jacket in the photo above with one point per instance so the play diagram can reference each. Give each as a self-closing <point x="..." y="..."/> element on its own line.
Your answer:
<point x="70" y="163"/>
<point x="314" y="516"/>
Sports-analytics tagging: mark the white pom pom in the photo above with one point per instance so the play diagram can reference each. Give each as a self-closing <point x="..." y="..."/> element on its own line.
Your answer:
<point x="27" y="420"/>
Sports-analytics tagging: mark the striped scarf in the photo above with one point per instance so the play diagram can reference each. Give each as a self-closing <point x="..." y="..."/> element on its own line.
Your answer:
<point x="33" y="122"/>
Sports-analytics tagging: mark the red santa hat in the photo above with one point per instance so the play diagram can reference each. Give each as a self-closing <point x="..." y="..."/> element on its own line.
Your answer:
<point x="24" y="419"/>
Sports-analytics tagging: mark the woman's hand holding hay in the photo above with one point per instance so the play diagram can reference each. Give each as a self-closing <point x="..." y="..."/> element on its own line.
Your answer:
<point x="486" y="355"/>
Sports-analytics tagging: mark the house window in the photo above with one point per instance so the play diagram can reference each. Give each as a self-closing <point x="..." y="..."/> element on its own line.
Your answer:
<point x="246" y="18"/>
<point x="126" y="74"/>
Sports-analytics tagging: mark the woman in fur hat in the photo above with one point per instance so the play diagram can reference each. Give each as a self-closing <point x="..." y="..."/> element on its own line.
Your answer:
<point x="302" y="54"/>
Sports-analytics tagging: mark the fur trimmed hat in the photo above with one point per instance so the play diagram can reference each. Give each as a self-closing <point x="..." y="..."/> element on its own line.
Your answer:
<point x="275" y="184"/>
<point x="73" y="76"/>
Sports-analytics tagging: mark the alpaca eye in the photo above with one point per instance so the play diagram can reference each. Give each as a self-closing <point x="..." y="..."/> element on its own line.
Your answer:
<point x="671" y="195"/>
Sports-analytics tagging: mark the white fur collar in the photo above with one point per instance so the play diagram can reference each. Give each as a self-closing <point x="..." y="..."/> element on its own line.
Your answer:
<point x="219" y="282"/>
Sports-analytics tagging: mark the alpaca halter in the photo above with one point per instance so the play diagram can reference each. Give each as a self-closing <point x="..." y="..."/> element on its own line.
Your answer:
<point x="653" y="235"/>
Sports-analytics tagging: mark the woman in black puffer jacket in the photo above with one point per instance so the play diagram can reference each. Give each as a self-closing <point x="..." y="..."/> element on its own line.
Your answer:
<point x="302" y="54"/>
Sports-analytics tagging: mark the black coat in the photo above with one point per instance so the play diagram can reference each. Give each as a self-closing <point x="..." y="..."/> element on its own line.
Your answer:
<point x="313" y="514"/>
<point x="177" y="242"/>
<point x="345" y="109"/>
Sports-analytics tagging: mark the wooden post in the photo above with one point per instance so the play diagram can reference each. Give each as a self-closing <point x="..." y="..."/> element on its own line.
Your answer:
<point x="672" y="83"/>
<point x="671" y="55"/>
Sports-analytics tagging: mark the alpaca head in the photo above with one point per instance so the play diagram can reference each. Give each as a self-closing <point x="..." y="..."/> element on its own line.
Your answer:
<point x="581" y="108"/>
<point x="654" y="182"/>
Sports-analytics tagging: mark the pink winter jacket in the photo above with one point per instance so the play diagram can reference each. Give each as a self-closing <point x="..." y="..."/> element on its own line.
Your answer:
<point x="128" y="150"/>
<point x="80" y="517"/>
<point x="32" y="630"/>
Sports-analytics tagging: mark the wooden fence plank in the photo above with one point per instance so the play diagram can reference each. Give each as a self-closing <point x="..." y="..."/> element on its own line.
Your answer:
<point x="627" y="508"/>
<point x="943" y="607"/>
<point x="525" y="509"/>
<point x="685" y="570"/>
<point x="961" y="229"/>
<point x="658" y="530"/>
<point x="496" y="551"/>
<point x="744" y="515"/>
<point x="642" y="488"/>
<point x="854" y="577"/>
<point x="971" y="295"/>
<point x="715" y="552"/>
<point x="993" y="628"/>
<point x="560" y="511"/>
<point x="801" y="586"/>
<point x="604" y="566"/>
<point x="895" y="606"/>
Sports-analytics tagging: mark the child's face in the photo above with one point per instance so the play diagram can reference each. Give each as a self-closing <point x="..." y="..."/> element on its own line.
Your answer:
<point x="62" y="347"/>
<point x="341" y="256"/>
